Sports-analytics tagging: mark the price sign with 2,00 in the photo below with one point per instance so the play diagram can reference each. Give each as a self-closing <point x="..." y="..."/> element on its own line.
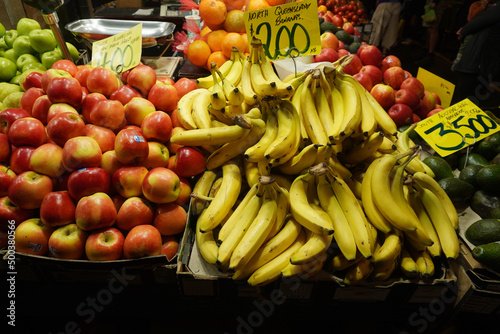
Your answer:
<point x="456" y="127"/>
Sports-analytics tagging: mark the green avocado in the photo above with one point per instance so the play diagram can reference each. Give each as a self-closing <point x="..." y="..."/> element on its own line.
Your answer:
<point x="468" y="174"/>
<point x="327" y="26"/>
<point x="471" y="159"/>
<point x="439" y="166"/>
<point x="489" y="147"/>
<point x="488" y="255"/>
<point x="488" y="178"/>
<point x="485" y="205"/>
<point x="459" y="191"/>
<point x="483" y="231"/>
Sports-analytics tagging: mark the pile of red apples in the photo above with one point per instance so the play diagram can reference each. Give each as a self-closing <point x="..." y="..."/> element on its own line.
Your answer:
<point x="87" y="171"/>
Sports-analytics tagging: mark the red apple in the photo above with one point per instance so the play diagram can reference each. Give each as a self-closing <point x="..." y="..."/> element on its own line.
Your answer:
<point x="186" y="190"/>
<point x="327" y="55"/>
<point x="9" y="115"/>
<point x="124" y="94"/>
<point x="338" y="21"/>
<point x="110" y="162"/>
<point x="102" y="80"/>
<point x="408" y="97"/>
<point x="415" y="85"/>
<point x="142" y="78"/>
<point x="95" y="211"/>
<point x="27" y="131"/>
<point x="401" y="114"/>
<point x="131" y="147"/>
<point x="170" y="218"/>
<point x="184" y="85"/>
<point x="59" y="108"/>
<point x="437" y="98"/>
<point x="64" y="126"/>
<point x="105" y="245"/>
<point x="40" y="108"/>
<point x="166" y="80"/>
<point x="50" y="74"/>
<point x="46" y="159"/>
<point x="87" y="181"/>
<point x="161" y="185"/>
<point x="354" y="66"/>
<point x="170" y="246"/>
<point x="371" y="55"/>
<point x="434" y="111"/>
<point x="384" y="94"/>
<point x="20" y="159"/>
<point x="141" y="241"/>
<point x="134" y="211"/>
<point x="11" y="212"/>
<point x="108" y="113"/>
<point x="421" y="110"/>
<point x="365" y="80"/>
<point x="429" y="100"/>
<point x="5" y="148"/>
<point x="32" y="237"/>
<point x="329" y="40"/>
<point x="127" y="180"/>
<point x="415" y="119"/>
<point x="408" y="75"/>
<point x="104" y="137"/>
<point x="172" y="148"/>
<point x="88" y="103"/>
<point x="28" y="189"/>
<point x="7" y="175"/>
<point x="29" y="97"/>
<point x="57" y="209"/>
<point x="81" y="152"/>
<point x="342" y="51"/>
<point x="67" y="242"/>
<point x="65" y="90"/>
<point x="66" y="65"/>
<point x="137" y="109"/>
<point x="33" y="79"/>
<point x="82" y="74"/>
<point x="362" y="46"/>
<point x="158" y="155"/>
<point x="390" y="61"/>
<point x="348" y="27"/>
<point x="189" y="161"/>
<point x="157" y="126"/>
<point x="163" y="96"/>
<point x="374" y="72"/>
<point x="394" y="77"/>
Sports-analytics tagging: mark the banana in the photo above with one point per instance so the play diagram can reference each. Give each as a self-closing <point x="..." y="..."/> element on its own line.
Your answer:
<point x="403" y="143"/>
<point x="200" y="113"/>
<point x="285" y="138"/>
<point x="251" y="98"/>
<point x="425" y="180"/>
<point x="239" y="212"/>
<point x="271" y="248"/>
<point x="209" y="136"/>
<point x="283" y="181"/>
<point x="225" y="198"/>
<point x="251" y="171"/>
<point x="208" y="81"/>
<point x="383" y="272"/>
<point x="297" y="103"/>
<point x="302" y="210"/>
<point x="312" y="123"/>
<point x="304" y="159"/>
<point x="337" y="112"/>
<point x="363" y="150"/>
<point x="352" y="109"/>
<point x="389" y="250"/>
<point x="202" y="187"/>
<point x="257" y="151"/>
<point x="207" y="245"/>
<point x="371" y="210"/>
<point x="425" y="265"/>
<point x="355" y="186"/>
<point x="322" y="102"/>
<point x="272" y="270"/>
<point x="354" y="214"/>
<point x="359" y="272"/>
<point x="257" y="231"/>
<point x="218" y="98"/>
<point x="283" y="202"/>
<point x="239" y="222"/>
<point x="339" y="262"/>
<point x="234" y="74"/>
<point x="304" y="271"/>
<point x="325" y="152"/>
<point x="234" y="96"/>
<point x="340" y="170"/>
<point x="185" y="106"/>
<point x="234" y="148"/>
<point x="407" y="264"/>
<point x="260" y="85"/>
<point x="384" y="121"/>
<point x="387" y="146"/>
<point x="447" y="235"/>
<point x="283" y="89"/>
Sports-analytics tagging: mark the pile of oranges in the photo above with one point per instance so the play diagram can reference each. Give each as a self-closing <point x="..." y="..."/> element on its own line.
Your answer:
<point x="224" y="27"/>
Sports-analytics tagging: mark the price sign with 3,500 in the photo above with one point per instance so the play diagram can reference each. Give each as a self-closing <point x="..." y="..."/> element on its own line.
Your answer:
<point x="119" y="52"/>
<point x="286" y="27"/>
<point x="456" y="127"/>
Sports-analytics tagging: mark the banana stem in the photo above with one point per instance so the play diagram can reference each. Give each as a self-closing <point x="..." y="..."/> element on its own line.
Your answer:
<point x="202" y="197"/>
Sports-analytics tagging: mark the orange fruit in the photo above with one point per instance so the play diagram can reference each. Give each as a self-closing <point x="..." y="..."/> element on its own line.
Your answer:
<point x="198" y="53"/>
<point x="245" y="38"/>
<point x="257" y="4"/>
<point x="234" y="4"/>
<point x="230" y="40"/>
<point x="205" y="31"/>
<point x="213" y="13"/>
<point x="216" y="57"/>
<point x="275" y="2"/>
<point x="214" y="39"/>
<point x="322" y="9"/>
<point x="235" y="21"/>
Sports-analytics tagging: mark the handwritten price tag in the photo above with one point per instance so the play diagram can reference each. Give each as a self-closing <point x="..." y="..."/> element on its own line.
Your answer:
<point x="456" y="127"/>
<point x="119" y="52"/>
<point x="281" y="28"/>
<point x="433" y="83"/>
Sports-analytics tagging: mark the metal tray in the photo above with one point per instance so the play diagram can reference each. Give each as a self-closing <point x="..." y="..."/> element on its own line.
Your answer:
<point x="153" y="32"/>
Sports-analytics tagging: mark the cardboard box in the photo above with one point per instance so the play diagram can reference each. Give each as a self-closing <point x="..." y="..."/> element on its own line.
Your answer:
<point x="128" y="3"/>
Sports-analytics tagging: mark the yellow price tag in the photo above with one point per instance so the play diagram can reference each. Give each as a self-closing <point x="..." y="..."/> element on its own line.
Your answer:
<point x="282" y="28"/>
<point x="433" y="83"/>
<point x="119" y="52"/>
<point x="456" y="127"/>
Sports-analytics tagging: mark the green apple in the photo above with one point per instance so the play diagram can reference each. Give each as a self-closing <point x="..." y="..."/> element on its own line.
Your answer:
<point x="11" y="55"/>
<point x="7" y="88"/>
<point x="2" y="52"/>
<point x="2" y="30"/>
<point x="25" y="59"/>
<point x="22" y="46"/>
<point x="50" y="57"/>
<point x="42" y="40"/>
<point x="3" y="45"/>
<point x="8" y="69"/>
<point x="10" y="37"/>
<point x="25" y="25"/>
<point x="73" y="51"/>
<point x="13" y="100"/>
<point x="15" y="79"/>
<point x="36" y="66"/>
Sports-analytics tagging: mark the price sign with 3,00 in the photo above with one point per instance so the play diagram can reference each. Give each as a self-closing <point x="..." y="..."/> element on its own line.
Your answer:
<point x="456" y="127"/>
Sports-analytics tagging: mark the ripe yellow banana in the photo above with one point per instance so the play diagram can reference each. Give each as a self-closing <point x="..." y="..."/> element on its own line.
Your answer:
<point x="425" y="265"/>
<point x="218" y="98"/>
<point x="283" y="202"/>
<point x="359" y="272"/>
<point x="208" y="81"/>
<point x="384" y="121"/>
<point x="337" y="112"/>
<point x="304" y="271"/>
<point x="201" y="115"/>
<point x="209" y="136"/>
<point x="257" y="232"/>
<point x="252" y="172"/>
<point x="352" y="109"/>
<point x="185" y="107"/>
<point x="323" y="105"/>
<point x="403" y="143"/>
<point x="389" y="250"/>
<point x="285" y="138"/>
<point x="234" y="74"/>
<point x="257" y="151"/>
<point x="296" y="101"/>
<point x="407" y="264"/>
<point x="363" y="150"/>
<point x="251" y="98"/>
<point x="272" y="269"/>
<point x="207" y="245"/>
<point x="234" y="148"/>
<point x="382" y="272"/>
<point x="304" y="159"/>
<point x="387" y="146"/>
<point x="339" y="262"/>
<point x="260" y="85"/>
<point x="202" y="187"/>
<point x="283" y="89"/>
<point x="302" y="210"/>
<point x="224" y="199"/>
<point x="314" y="128"/>
<point x="424" y="180"/>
